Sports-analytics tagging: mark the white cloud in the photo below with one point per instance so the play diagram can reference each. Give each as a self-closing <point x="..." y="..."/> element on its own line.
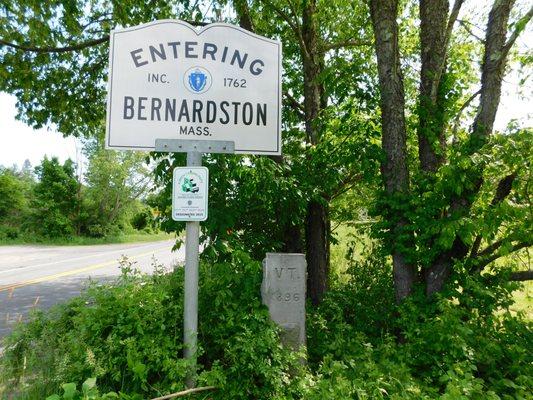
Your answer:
<point x="19" y="142"/>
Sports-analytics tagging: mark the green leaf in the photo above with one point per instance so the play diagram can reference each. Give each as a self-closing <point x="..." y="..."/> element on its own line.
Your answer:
<point x="69" y="389"/>
<point x="88" y="385"/>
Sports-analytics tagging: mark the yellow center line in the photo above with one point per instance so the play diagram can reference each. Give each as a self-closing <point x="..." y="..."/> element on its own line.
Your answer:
<point x="67" y="273"/>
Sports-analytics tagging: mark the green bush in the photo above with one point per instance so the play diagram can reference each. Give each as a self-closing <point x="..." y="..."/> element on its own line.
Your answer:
<point x="363" y="304"/>
<point x="55" y="199"/>
<point x="144" y="220"/>
<point x="8" y="232"/>
<point x="129" y="337"/>
<point x="465" y="344"/>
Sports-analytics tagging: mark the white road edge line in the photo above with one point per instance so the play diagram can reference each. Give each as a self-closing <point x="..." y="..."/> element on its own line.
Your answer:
<point x="77" y="258"/>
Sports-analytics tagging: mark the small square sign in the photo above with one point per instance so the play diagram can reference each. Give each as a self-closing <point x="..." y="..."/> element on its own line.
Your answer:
<point x="190" y="186"/>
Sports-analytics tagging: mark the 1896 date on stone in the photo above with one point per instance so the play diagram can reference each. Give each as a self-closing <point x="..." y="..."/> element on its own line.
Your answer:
<point x="287" y="296"/>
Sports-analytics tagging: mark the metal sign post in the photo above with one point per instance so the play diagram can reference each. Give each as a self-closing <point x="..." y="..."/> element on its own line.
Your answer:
<point x="194" y="150"/>
<point x="190" y="307"/>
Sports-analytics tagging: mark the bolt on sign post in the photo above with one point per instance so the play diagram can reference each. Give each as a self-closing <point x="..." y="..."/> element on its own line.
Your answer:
<point x="176" y="88"/>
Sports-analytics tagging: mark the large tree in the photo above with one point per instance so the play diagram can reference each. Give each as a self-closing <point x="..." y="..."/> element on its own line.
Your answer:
<point x="311" y="35"/>
<point x="114" y="183"/>
<point x="54" y="205"/>
<point x="457" y="225"/>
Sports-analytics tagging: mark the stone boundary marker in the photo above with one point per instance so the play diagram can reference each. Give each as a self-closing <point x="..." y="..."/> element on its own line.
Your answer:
<point x="283" y="292"/>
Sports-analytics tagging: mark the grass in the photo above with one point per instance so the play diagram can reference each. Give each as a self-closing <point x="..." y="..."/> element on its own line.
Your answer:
<point x="347" y="238"/>
<point x="84" y="241"/>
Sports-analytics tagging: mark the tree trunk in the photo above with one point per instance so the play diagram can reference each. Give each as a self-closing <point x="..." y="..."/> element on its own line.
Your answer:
<point x="317" y="240"/>
<point x="293" y="242"/>
<point x="434" y="36"/>
<point x="433" y="43"/>
<point x="494" y="61"/>
<point x="243" y="13"/>
<point x="492" y="70"/>
<point x="313" y="63"/>
<point x="316" y="221"/>
<point x="394" y="167"/>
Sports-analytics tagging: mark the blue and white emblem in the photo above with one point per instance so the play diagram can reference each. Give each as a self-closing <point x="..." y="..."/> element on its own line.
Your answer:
<point x="197" y="80"/>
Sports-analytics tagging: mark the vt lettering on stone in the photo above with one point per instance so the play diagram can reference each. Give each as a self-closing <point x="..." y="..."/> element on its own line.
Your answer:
<point x="290" y="270"/>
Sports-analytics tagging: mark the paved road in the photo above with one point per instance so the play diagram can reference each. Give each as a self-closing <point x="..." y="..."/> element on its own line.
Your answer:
<point x="41" y="276"/>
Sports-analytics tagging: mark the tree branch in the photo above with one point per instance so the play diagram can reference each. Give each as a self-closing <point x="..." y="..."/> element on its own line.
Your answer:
<point x="292" y="8"/>
<point x="466" y="28"/>
<point x="519" y="27"/>
<point x="486" y="261"/>
<point x="463" y="107"/>
<point x="487" y="251"/>
<point x="284" y="16"/>
<point x="294" y="26"/>
<point x="74" y="47"/>
<point x="346" y="43"/>
<point x="346" y="184"/>
<point x="185" y="392"/>
<point x="295" y="105"/>
<point x="475" y="246"/>
<point x="520" y="276"/>
<point x="502" y="191"/>
<point x="451" y="21"/>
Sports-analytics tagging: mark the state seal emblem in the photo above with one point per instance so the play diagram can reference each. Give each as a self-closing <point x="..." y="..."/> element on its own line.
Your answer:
<point x="197" y="80"/>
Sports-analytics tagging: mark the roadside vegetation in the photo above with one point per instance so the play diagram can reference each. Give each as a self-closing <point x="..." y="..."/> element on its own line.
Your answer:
<point x="136" y="237"/>
<point x="125" y="340"/>
<point x="57" y="203"/>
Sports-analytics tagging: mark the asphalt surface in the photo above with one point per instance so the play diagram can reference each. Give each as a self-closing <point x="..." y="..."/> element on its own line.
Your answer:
<point x="34" y="277"/>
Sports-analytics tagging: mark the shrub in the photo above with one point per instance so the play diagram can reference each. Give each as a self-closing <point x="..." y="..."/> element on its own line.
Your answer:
<point x="361" y="304"/>
<point x="128" y="337"/>
<point x="143" y="219"/>
<point x="8" y="232"/>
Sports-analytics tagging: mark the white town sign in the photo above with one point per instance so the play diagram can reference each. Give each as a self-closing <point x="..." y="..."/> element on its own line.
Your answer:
<point x="169" y="80"/>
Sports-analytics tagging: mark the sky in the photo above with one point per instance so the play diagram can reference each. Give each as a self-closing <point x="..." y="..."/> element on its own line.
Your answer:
<point x="19" y="142"/>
